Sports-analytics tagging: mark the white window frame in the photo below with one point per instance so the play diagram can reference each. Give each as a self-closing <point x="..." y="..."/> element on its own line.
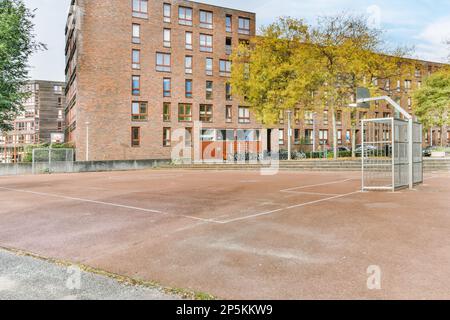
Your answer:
<point x="167" y="37"/>
<point x="206" y="43"/>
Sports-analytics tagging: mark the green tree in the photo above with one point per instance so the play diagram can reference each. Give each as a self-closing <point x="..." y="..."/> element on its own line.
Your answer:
<point x="17" y="43"/>
<point x="351" y="54"/>
<point x="266" y="73"/>
<point x="432" y="101"/>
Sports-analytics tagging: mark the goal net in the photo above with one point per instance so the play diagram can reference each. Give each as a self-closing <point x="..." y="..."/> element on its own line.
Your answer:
<point x="388" y="161"/>
<point x="49" y="160"/>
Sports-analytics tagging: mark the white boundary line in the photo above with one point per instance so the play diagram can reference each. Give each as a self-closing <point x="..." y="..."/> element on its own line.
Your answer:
<point x="108" y="204"/>
<point x="313" y="193"/>
<point x="82" y="200"/>
<point x="288" y="208"/>
<point x="316" y="185"/>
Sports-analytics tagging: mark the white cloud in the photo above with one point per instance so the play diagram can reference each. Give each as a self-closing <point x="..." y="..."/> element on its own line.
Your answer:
<point x="433" y="40"/>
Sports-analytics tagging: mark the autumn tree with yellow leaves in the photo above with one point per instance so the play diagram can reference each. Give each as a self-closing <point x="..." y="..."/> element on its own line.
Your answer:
<point x="292" y="64"/>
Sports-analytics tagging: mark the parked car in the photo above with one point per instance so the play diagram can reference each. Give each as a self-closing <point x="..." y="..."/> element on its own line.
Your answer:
<point x="344" y="149"/>
<point x="427" y="151"/>
<point x="367" y="148"/>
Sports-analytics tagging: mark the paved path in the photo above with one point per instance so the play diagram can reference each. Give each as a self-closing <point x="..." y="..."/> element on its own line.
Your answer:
<point x="27" y="278"/>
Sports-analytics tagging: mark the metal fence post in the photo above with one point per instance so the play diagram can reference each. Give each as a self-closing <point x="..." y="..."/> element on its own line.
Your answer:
<point x="393" y="155"/>
<point x="49" y="160"/>
<point x="410" y="153"/>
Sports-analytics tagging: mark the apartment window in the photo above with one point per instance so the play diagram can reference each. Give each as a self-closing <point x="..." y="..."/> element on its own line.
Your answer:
<point x="297" y="115"/>
<point x="228" y="95"/>
<point x="60" y="101"/>
<point x="297" y="138"/>
<point x="140" y="8"/>
<point x="57" y="89"/>
<point x="399" y="87"/>
<point x="188" y="88"/>
<point x="167" y="116"/>
<point x="339" y="118"/>
<point x="375" y="81"/>
<point x="136" y="85"/>
<point x="419" y="84"/>
<point x="348" y="136"/>
<point x="228" y="45"/>
<point x="209" y="90"/>
<point x="185" y="16"/>
<point x="188" y="40"/>
<point x="244" y="115"/>
<point x="409" y="103"/>
<point x="387" y="85"/>
<point x="225" y="68"/>
<point x="244" y="26"/>
<point x="136" y="59"/>
<point x="281" y="136"/>
<point x="408" y="84"/>
<point x="209" y="66"/>
<point x="418" y="73"/>
<point x="281" y="116"/>
<point x="135" y="136"/>
<point x="136" y="29"/>
<point x="229" y="23"/>
<point x="229" y="114"/>
<point x="206" y="19"/>
<point x="309" y="118"/>
<point x="139" y="111"/>
<point x="206" y="113"/>
<point x="325" y="117"/>
<point x="185" y="112"/>
<point x="167" y="38"/>
<point x="308" y="136"/>
<point x="206" y="43"/>
<point x="188" y="64"/>
<point x="167" y="12"/>
<point x="167" y="137"/>
<point x="167" y="87"/>
<point x="163" y="62"/>
<point x="323" y="137"/>
<point x="339" y="136"/>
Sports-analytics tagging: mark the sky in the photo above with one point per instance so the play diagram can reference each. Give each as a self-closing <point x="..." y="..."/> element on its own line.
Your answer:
<point x="424" y="24"/>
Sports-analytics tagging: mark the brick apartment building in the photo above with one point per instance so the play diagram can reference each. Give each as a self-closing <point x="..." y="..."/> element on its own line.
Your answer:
<point x="137" y="71"/>
<point x="41" y="120"/>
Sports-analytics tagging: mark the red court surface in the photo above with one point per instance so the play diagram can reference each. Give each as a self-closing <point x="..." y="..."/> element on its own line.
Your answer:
<point x="238" y="234"/>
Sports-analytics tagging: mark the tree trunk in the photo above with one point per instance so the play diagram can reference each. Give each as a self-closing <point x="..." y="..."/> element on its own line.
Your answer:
<point x="335" y="146"/>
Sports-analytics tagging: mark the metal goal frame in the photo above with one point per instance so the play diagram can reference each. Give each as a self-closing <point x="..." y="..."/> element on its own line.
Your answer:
<point x="404" y="154"/>
<point x="52" y="160"/>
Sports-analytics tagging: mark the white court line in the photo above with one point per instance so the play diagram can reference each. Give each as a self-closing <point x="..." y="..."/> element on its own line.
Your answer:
<point x="82" y="200"/>
<point x="313" y="193"/>
<point x="108" y="204"/>
<point x="290" y="207"/>
<point x="316" y="185"/>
